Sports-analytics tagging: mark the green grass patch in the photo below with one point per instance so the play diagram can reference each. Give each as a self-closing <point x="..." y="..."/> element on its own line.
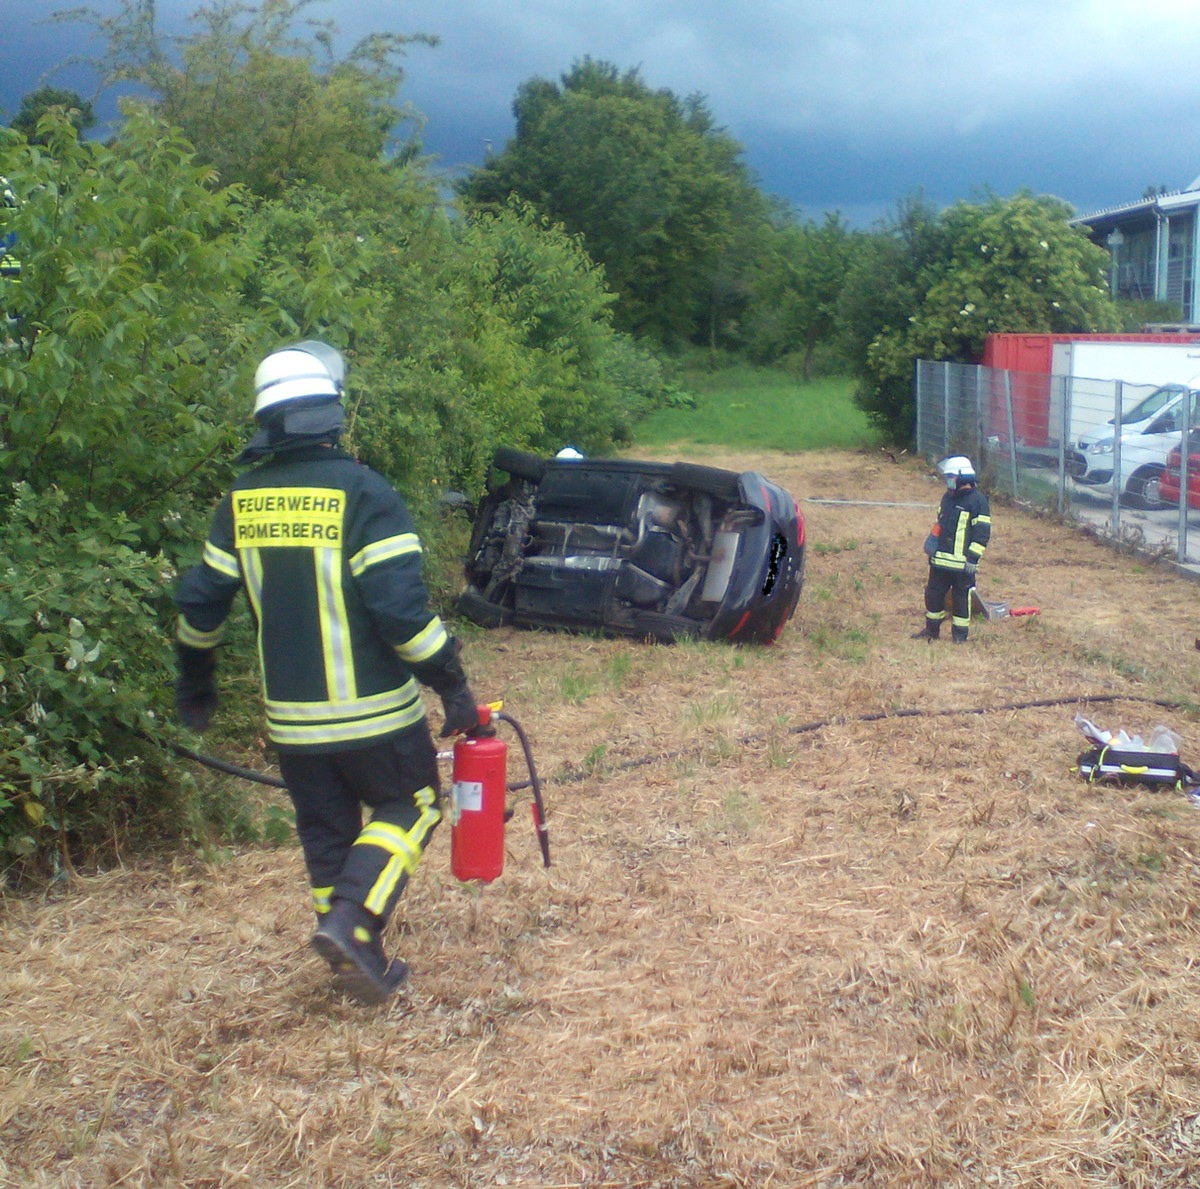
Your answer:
<point x="835" y="547"/>
<point x="1119" y="664"/>
<point x="618" y="668"/>
<point x="848" y="644"/>
<point x="746" y="407"/>
<point x="706" y="711"/>
<point x="574" y="686"/>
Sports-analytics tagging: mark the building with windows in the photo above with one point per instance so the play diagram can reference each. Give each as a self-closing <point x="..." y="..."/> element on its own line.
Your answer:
<point x="1152" y="244"/>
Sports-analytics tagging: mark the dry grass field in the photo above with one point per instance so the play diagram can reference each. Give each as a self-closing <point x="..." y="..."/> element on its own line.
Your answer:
<point x="890" y="951"/>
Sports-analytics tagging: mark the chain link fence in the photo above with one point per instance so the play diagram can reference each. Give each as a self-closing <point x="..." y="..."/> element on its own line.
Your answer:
<point x="1107" y="452"/>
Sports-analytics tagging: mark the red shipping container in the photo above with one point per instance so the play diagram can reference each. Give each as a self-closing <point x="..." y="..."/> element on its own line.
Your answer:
<point x="1032" y="355"/>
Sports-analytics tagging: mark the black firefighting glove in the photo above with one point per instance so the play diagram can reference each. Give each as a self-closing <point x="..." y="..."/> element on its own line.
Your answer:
<point x="970" y="569"/>
<point x="461" y="710"/>
<point x="196" y="686"/>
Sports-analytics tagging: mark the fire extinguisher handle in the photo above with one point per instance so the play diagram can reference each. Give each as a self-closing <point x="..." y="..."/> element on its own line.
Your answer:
<point x="485" y="714"/>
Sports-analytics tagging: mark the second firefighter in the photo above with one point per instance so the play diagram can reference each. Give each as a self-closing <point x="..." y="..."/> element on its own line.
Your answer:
<point x="955" y="548"/>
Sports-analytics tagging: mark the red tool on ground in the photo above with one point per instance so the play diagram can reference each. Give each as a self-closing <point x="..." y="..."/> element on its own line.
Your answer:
<point x="980" y="606"/>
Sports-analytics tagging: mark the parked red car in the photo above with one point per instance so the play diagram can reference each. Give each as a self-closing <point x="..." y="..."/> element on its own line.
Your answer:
<point x="1169" y="484"/>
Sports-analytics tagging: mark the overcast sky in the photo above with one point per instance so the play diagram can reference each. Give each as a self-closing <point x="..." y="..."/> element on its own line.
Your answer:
<point x="846" y="105"/>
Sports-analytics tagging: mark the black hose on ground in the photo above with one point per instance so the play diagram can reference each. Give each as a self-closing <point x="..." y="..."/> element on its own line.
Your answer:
<point x="575" y="775"/>
<point x="225" y="766"/>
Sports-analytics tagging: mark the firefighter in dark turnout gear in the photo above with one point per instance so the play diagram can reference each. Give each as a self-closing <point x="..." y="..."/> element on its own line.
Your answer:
<point x="331" y="565"/>
<point x="955" y="548"/>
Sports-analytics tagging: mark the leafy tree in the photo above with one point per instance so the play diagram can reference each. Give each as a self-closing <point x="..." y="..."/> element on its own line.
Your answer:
<point x="496" y="333"/>
<point x="352" y="244"/>
<point x="35" y="105"/>
<point x="883" y="287"/>
<point x="1013" y="264"/>
<point x="126" y="315"/>
<point x="731" y="311"/>
<point x="647" y="179"/>
<point x="264" y="105"/>
<point x="933" y="287"/>
<point x="796" y="288"/>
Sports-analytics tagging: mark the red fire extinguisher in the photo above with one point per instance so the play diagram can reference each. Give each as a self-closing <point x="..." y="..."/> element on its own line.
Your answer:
<point x="479" y="800"/>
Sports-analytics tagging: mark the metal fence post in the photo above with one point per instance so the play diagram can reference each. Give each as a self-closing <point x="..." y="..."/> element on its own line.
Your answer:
<point x="945" y="409"/>
<point x="1064" y="432"/>
<point x="1012" y="429"/>
<point x="1185" y="449"/>
<point x="977" y="372"/>
<point x="1119" y="403"/>
<point x="920" y="395"/>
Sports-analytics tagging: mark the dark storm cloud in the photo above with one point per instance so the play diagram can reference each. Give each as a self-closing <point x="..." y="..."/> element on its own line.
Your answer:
<point x="847" y="106"/>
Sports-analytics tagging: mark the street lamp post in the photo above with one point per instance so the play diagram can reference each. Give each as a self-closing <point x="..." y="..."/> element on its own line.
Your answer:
<point x="1115" y="240"/>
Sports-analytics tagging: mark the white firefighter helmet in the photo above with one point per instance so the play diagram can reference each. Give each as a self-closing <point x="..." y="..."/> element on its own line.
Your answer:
<point x="957" y="470"/>
<point x="305" y="374"/>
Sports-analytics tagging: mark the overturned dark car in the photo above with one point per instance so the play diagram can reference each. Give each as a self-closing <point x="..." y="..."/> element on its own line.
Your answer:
<point x="654" y="550"/>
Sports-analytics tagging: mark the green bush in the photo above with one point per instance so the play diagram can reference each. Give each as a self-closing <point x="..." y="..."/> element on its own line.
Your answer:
<point x="127" y="337"/>
<point x="1137" y="315"/>
<point x="84" y="674"/>
<point x="128" y="333"/>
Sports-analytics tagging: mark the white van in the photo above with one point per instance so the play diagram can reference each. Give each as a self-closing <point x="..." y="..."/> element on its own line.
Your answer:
<point x="1148" y="432"/>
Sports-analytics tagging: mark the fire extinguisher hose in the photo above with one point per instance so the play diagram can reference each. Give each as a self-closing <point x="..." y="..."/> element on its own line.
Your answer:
<point x="229" y="769"/>
<point x="539" y="808"/>
<point x="217" y="765"/>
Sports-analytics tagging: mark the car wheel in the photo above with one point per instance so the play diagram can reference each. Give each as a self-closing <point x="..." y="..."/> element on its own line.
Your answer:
<point x="709" y="480"/>
<point x="666" y="629"/>
<point x="1144" y="488"/>
<point x="519" y="463"/>
<point x="481" y="611"/>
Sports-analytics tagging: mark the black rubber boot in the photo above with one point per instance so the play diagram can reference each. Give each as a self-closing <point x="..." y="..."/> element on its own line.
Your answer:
<point x="927" y="633"/>
<point x="348" y="939"/>
<point x="958" y="635"/>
